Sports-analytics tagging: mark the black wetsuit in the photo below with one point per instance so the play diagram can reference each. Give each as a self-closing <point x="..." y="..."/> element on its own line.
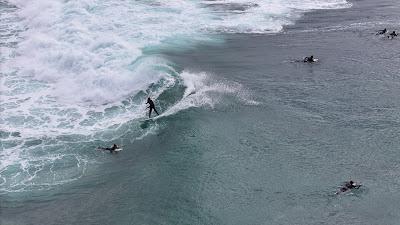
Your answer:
<point x="349" y="185"/>
<point x="382" y="31"/>
<point x="112" y="149"/>
<point x="151" y="107"/>
<point x="309" y="59"/>
<point x="393" y="34"/>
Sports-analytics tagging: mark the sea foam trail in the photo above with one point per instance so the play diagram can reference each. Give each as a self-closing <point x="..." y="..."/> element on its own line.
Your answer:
<point x="81" y="70"/>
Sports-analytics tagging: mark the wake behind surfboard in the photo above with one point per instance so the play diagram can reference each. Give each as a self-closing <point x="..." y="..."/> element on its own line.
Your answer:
<point x="109" y="149"/>
<point x="147" y="122"/>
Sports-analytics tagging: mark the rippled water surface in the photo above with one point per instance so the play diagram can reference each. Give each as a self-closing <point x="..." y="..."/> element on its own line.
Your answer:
<point x="247" y="134"/>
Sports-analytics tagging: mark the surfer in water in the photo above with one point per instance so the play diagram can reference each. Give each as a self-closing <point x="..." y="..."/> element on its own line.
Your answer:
<point x="381" y="32"/>
<point x="112" y="149"/>
<point x="392" y="35"/>
<point x="309" y="59"/>
<point x="151" y="106"/>
<point x="348" y="186"/>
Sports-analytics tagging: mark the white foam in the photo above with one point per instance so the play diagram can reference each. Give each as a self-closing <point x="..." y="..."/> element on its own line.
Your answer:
<point x="269" y="16"/>
<point x="21" y="171"/>
<point x="80" y="55"/>
<point x="202" y="90"/>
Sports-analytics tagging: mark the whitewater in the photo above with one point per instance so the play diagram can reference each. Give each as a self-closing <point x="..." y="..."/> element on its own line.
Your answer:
<point x="76" y="74"/>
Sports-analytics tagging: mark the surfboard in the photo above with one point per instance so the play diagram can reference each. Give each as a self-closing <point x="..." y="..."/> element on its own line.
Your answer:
<point x="148" y="119"/>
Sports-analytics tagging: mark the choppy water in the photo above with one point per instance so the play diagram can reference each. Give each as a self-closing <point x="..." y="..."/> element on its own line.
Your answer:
<point x="246" y="134"/>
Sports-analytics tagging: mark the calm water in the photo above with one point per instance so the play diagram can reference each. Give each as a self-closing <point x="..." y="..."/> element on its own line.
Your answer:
<point x="247" y="136"/>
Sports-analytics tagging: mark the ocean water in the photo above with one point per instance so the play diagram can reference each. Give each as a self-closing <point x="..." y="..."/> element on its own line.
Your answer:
<point x="247" y="135"/>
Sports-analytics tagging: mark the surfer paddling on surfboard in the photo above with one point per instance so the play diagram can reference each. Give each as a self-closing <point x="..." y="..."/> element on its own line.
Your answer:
<point x="115" y="148"/>
<point x="382" y="31"/>
<point x="151" y="106"/>
<point x="310" y="59"/>
<point x="348" y="186"/>
<point x="392" y="35"/>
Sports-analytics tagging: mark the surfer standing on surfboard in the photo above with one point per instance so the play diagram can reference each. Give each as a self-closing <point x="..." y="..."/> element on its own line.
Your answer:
<point x="151" y="106"/>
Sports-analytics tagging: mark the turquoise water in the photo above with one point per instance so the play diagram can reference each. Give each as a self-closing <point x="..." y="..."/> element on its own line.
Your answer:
<point x="247" y="134"/>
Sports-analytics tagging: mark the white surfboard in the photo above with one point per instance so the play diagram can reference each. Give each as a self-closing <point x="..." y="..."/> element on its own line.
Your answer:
<point x="152" y="118"/>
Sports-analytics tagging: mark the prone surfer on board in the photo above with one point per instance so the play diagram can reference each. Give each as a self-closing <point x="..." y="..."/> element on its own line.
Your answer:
<point x="382" y="31"/>
<point x="348" y="186"/>
<point x="151" y="106"/>
<point x="112" y="149"/>
<point x="392" y="35"/>
<point x="309" y="59"/>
